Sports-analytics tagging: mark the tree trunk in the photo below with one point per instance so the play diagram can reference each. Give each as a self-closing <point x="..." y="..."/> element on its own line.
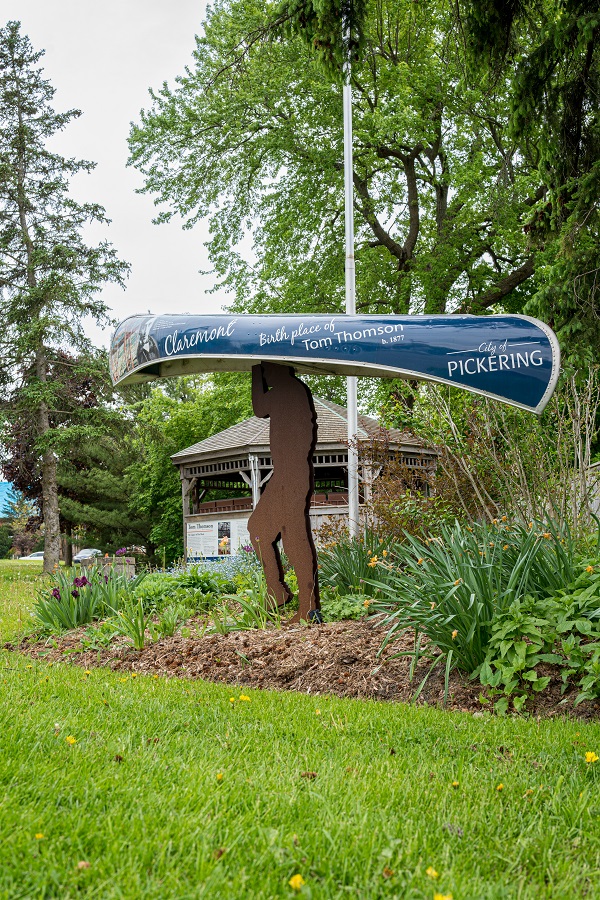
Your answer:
<point x="49" y="482"/>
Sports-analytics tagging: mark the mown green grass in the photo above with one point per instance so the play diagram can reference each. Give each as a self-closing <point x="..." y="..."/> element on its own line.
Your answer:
<point x="137" y="796"/>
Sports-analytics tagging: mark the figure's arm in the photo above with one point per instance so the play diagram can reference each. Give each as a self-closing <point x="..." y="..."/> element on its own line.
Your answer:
<point x="260" y="403"/>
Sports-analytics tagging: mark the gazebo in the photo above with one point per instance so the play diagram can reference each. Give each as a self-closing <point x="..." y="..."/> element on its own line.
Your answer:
<point x="237" y="462"/>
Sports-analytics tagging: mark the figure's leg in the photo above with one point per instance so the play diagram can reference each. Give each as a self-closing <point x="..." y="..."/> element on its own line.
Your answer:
<point x="299" y="546"/>
<point x="264" y="537"/>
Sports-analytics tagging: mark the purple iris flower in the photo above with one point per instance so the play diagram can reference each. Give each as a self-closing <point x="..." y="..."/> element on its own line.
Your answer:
<point x="56" y="593"/>
<point x="74" y="593"/>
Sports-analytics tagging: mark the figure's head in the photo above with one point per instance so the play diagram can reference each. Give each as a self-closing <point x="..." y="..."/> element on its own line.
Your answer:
<point x="275" y="374"/>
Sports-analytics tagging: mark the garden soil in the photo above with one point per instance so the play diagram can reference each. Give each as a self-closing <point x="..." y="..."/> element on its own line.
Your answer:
<point x="341" y="658"/>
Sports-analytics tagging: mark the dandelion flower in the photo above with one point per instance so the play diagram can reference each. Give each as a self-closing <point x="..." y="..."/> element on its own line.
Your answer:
<point x="505" y="547"/>
<point x="591" y="757"/>
<point x="455" y="784"/>
<point x="385" y="553"/>
<point x="317" y="712"/>
<point x="431" y="873"/>
<point x="219" y="776"/>
<point x="70" y="739"/>
<point x="454" y="634"/>
<point x="87" y="672"/>
<point x="442" y="897"/>
<point x="367" y="604"/>
<point x="39" y="836"/>
<point x="589" y="569"/>
<point x="546" y="534"/>
<point x="232" y="699"/>
<point x="504" y="518"/>
<point x="420" y="560"/>
<point x="296" y="882"/>
<point x="500" y="787"/>
<point x="244" y="698"/>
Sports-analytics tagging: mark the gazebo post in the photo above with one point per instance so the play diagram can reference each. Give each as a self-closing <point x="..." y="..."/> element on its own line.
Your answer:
<point x="255" y="478"/>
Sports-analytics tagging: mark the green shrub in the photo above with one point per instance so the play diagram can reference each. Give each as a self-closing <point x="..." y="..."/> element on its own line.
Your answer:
<point x="450" y="588"/>
<point x="348" y="564"/>
<point x="337" y="608"/>
<point x="564" y="630"/>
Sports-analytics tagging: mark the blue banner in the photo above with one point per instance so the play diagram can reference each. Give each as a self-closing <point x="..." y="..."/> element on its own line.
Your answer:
<point x="512" y="358"/>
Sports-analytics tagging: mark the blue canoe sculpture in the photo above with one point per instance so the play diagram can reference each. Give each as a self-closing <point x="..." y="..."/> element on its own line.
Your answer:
<point x="511" y="358"/>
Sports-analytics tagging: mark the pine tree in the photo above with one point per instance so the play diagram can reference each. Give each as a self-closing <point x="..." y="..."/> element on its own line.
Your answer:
<point x="49" y="277"/>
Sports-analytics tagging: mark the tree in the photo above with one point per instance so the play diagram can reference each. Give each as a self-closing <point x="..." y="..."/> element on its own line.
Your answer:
<point x="183" y="412"/>
<point x="48" y="276"/>
<point x="552" y="51"/>
<point x="251" y="137"/>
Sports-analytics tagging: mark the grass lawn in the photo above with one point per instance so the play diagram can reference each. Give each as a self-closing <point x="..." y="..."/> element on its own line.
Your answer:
<point x="130" y="787"/>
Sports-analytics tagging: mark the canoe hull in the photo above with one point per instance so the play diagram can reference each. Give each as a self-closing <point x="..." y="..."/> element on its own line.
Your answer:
<point x="514" y="359"/>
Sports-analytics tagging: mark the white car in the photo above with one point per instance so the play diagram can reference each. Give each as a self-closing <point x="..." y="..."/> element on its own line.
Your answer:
<point x="38" y="556"/>
<point x="87" y="554"/>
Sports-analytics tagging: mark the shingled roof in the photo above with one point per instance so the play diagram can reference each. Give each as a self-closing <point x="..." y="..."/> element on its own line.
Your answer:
<point x="332" y="423"/>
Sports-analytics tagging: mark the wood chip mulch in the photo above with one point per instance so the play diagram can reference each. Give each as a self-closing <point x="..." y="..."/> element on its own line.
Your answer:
<point x="337" y="658"/>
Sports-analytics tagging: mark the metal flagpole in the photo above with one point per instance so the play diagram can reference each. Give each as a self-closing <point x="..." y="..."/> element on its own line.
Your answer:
<point x="353" y="514"/>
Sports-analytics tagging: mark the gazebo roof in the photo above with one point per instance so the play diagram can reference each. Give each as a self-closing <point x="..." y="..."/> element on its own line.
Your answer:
<point x="332" y="422"/>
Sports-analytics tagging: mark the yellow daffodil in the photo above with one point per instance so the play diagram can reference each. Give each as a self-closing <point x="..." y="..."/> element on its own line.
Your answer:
<point x="296" y="882"/>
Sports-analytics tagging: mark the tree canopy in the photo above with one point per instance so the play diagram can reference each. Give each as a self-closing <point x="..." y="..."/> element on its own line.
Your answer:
<point x="251" y="137"/>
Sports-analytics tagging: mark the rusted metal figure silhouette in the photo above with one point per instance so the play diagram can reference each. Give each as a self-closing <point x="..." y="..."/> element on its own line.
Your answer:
<point x="282" y="511"/>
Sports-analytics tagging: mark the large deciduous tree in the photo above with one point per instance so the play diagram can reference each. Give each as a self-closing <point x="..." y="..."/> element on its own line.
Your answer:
<point x="49" y="277"/>
<point x="251" y="136"/>
<point x="552" y="50"/>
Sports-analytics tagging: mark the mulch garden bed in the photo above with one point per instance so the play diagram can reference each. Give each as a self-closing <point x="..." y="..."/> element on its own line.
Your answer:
<point x="336" y="658"/>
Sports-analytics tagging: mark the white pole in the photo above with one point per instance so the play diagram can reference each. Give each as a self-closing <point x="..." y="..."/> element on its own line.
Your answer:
<point x="353" y="514"/>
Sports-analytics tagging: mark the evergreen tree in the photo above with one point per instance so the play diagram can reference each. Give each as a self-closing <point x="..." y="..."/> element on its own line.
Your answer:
<point x="49" y="277"/>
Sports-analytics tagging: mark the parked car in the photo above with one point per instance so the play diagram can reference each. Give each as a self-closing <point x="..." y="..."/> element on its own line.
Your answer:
<point x="33" y="557"/>
<point x="87" y="554"/>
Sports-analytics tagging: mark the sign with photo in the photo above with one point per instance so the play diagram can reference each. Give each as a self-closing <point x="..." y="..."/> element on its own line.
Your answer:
<point x="511" y="358"/>
<point x="216" y="538"/>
